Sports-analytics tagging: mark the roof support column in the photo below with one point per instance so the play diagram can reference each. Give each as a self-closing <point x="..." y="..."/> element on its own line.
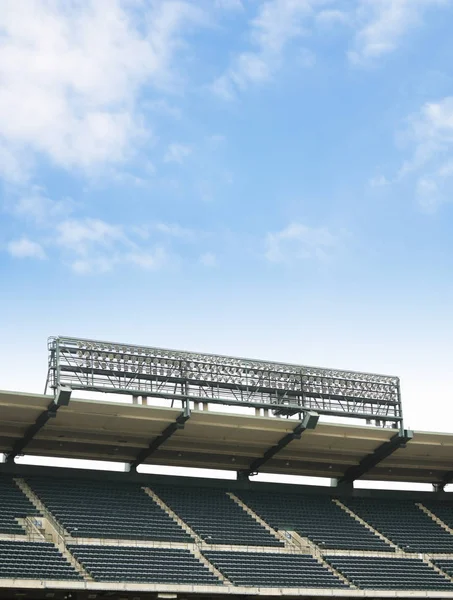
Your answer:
<point x="62" y="398"/>
<point x="162" y="438"/>
<point x="446" y="479"/>
<point x="370" y="461"/>
<point x="309" y="421"/>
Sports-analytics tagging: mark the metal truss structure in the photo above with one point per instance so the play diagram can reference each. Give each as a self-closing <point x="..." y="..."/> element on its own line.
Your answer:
<point x="286" y="389"/>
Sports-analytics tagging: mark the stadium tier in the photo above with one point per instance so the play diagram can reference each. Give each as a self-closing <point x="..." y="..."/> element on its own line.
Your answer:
<point x="194" y="536"/>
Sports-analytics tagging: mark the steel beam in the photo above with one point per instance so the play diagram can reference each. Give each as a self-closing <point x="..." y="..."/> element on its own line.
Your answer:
<point x="161" y="439"/>
<point x="309" y="421"/>
<point x="370" y="461"/>
<point x="62" y="398"/>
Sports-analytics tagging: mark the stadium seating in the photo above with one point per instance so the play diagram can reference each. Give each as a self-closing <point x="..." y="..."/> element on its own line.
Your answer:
<point x="215" y="517"/>
<point x="143" y="565"/>
<point x="33" y="560"/>
<point x="13" y="504"/>
<point x="402" y="522"/>
<point x="389" y="573"/>
<point x="446" y="564"/>
<point x="443" y="510"/>
<point x="88" y="508"/>
<point x="269" y="569"/>
<point x="315" y="517"/>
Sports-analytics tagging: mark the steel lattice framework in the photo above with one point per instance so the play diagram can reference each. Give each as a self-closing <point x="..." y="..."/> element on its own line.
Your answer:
<point x="286" y="389"/>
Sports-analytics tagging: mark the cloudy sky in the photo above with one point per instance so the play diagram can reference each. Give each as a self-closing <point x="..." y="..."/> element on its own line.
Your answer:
<point x="264" y="178"/>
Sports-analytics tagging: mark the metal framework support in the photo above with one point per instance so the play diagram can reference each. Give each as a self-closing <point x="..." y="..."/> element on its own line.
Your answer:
<point x="309" y="421"/>
<point x="370" y="461"/>
<point x="162" y="438"/>
<point x="62" y="398"/>
<point x="280" y="388"/>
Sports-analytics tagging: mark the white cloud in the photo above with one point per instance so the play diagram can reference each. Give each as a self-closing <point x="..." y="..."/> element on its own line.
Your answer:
<point x="12" y="167"/>
<point x="33" y="204"/>
<point x="94" y="265"/>
<point x="431" y="132"/>
<point x="208" y="259"/>
<point x="383" y="23"/>
<point x="177" y="153"/>
<point x="71" y="74"/>
<point x="277" y="23"/>
<point x="95" y="246"/>
<point x="430" y="136"/>
<point x="89" y="245"/>
<point x="25" y="248"/>
<point x="298" y="242"/>
<point x="176" y="231"/>
<point x="81" y="235"/>
<point x="148" y="260"/>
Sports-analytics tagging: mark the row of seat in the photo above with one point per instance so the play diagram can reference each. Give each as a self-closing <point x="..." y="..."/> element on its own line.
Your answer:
<point x="446" y="564"/>
<point x="261" y="569"/>
<point x="442" y="509"/>
<point x="156" y="565"/>
<point x="315" y="517"/>
<point x="89" y="508"/>
<point x="13" y="504"/>
<point x="389" y="573"/>
<point x="33" y="560"/>
<point x="402" y="522"/>
<point x="215" y="517"/>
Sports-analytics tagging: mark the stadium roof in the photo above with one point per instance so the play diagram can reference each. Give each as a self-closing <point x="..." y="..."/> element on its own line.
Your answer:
<point x="117" y="431"/>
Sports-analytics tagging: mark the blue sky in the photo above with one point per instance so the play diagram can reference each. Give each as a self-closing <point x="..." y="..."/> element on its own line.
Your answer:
<point x="263" y="178"/>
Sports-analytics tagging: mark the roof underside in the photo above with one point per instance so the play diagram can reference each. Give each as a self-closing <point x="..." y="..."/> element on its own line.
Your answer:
<point x="117" y="431"/>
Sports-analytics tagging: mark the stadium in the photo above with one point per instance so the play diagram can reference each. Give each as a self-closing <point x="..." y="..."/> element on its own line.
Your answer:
<point x="87" y="534"/>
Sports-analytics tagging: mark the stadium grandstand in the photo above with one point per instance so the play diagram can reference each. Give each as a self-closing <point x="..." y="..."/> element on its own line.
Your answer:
<point x="86" y="534"/>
